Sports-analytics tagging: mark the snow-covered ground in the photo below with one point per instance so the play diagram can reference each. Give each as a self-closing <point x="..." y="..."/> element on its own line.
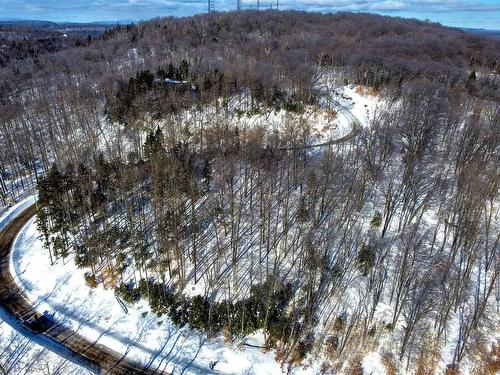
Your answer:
<point x="372" y="364"/>
<point x="338" y="108"/>
<point x="60" y="289"/>
<point x="360" y="102"/>
<point x="11" y="212"/>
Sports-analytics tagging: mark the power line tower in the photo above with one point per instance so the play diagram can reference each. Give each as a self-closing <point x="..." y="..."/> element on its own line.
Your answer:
<point x="258" y="4"/>
<point x="277" y="4"/>
<point x="238" y="5"/>
<point x="211" y="6"/>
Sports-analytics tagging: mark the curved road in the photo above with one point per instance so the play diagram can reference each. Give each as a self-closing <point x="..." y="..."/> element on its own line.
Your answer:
<point x="356" y="128"/>
<point x="92" y="355"/>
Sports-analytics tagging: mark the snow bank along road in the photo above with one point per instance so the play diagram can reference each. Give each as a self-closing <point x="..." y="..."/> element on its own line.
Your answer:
<point x="92" y="355"/>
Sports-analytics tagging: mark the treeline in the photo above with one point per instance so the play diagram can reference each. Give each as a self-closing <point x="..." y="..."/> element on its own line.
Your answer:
<point x="263" y="309"/>
<point x="374" y="50"/>
<point x="173" y="89"/>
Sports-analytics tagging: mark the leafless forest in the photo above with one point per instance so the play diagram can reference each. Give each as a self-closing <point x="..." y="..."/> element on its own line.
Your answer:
<point x="388" y="241"/>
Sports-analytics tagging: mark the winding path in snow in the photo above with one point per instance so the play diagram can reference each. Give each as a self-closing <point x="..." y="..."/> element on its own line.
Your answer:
<point x="56" y="337"/>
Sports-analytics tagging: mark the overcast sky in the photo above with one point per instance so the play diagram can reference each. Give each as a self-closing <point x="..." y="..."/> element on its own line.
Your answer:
<point x="460" y="13"/>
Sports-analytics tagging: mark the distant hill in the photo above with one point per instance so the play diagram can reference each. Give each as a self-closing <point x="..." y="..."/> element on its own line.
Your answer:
<point x="26" y="23"/>
<point x="484" y="32"/>
<point x="21" y="39"/>
<point x="377" y="50"/>
<point x="51" y="24"/>
<point x="70" y="28"/>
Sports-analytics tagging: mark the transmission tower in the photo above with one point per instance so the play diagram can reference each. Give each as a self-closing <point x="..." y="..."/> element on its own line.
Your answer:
<point x="211" y="6"/>
<point x="238" y="5"/>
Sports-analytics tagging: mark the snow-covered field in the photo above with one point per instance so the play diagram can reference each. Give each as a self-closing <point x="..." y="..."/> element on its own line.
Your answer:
<point x="60" y="290"/>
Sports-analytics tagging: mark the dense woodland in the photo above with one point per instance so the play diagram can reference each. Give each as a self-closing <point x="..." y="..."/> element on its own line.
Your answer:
<point x="145" y="180"/>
